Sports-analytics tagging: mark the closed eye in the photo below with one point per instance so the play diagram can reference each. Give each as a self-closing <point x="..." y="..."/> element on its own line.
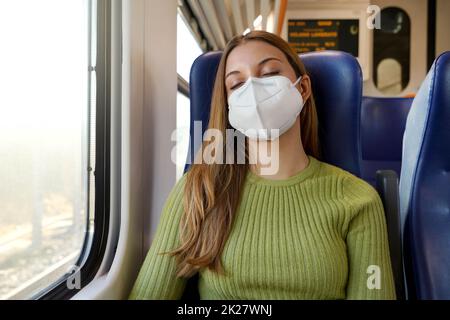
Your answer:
<point x="264" y="75"/>
<point x="236" y="86"/>
<point x="271" y="73"/>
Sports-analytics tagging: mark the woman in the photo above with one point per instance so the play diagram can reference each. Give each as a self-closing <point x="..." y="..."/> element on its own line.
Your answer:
<point x="306" y="230"/>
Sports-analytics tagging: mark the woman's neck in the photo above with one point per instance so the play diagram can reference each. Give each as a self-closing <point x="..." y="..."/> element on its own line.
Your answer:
<point x="281" y="158"/>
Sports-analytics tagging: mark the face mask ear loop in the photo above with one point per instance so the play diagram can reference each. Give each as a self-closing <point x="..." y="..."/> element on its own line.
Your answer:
<point x="297" y="81"/>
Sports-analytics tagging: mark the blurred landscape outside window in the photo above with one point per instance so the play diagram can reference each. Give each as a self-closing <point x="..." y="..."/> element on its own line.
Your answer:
<point x="47" y="107"/>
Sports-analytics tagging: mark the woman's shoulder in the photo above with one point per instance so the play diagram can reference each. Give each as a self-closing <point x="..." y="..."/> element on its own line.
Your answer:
<point x="326" y="169"/>
<point x="353" y="187"/>
<point x="180" y="183"/>
<point x="179" y="186"/>
<point x="175" y="198"/>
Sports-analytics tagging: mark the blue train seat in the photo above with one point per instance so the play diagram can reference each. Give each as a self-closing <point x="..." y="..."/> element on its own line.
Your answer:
<point x="425" y="186"/>
<point x="383" y="123"/>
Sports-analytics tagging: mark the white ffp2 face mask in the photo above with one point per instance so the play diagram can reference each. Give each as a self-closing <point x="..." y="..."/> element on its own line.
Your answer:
<point x="265" y="108"/>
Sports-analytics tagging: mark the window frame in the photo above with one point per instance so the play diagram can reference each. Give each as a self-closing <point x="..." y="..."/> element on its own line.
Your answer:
<point x="94" y="245"/>
<point x="183" y="86"/>
<point x="183" y="89"/>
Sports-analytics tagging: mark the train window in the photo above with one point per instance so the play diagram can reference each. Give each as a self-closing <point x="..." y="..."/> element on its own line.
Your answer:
<point x="391" y="53"/>
<point x="389" y="75"/>
<point x="188" y="50"/>
<point x="47" y="143"/>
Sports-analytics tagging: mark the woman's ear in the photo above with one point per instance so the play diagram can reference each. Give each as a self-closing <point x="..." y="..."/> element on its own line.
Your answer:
<point x="304" y="86"/>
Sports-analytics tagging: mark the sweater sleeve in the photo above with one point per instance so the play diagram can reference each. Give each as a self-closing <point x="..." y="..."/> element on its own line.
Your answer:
<point x="157" y="278"/>
<point x="370" y="273"/>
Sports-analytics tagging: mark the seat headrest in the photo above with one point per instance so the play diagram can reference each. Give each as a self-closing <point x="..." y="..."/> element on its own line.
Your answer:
<point x="337" y="87"/>
<point x="336" y="79"/>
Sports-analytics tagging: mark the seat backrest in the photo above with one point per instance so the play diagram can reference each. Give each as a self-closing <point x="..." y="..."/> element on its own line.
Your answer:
<point x="383" y="123"/>
<point x="425" y="186"/>
<point x="337" y="87"/>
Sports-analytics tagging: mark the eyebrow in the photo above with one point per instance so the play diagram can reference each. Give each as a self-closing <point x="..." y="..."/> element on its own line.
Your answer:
<point x="259" y="63"/>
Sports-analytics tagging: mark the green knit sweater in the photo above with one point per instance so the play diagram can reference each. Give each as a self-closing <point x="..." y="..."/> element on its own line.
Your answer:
<point x="320" y="234"/>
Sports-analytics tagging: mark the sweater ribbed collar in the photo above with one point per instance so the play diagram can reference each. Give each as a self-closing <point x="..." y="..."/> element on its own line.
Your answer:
<point x="311" y="168"/>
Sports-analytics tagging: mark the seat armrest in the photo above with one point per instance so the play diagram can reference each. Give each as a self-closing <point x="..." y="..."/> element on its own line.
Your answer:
<point x="387" y="187"/>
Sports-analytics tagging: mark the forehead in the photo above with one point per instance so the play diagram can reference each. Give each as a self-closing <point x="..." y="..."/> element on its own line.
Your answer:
<point x="250" y="53"/>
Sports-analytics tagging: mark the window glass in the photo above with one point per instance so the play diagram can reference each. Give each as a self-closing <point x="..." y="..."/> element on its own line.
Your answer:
<point x="45" y="103"/>
<point x="389" y="74"/>
<point x="187" y="49"/>
<point x="392" y="50"/>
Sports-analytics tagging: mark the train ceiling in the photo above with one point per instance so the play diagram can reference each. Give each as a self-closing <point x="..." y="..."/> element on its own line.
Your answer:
<point x="215" y="22"/>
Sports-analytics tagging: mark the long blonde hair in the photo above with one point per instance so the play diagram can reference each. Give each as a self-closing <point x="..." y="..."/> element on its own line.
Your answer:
<point x="212" y="191"/>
